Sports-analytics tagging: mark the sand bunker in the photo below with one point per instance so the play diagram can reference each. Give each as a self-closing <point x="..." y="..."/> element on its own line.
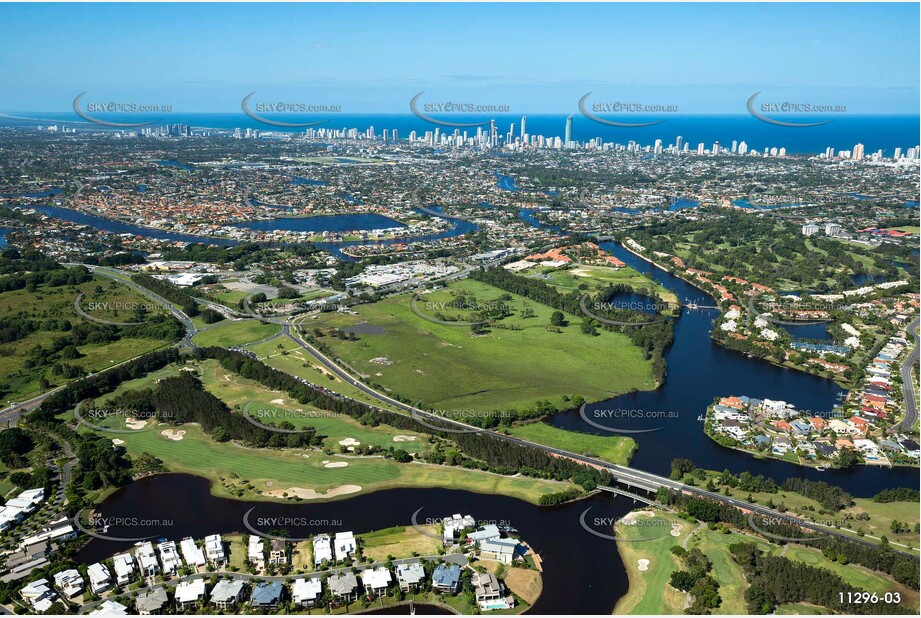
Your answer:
<point x="135" y="423"/>
<point x="336" y="464"/>
<point x="279" y="401"/>
<point x="642" y="564"/>
<point x="676" y="529"/>
<point x="305" y="493"/>
<point x="381" y="360"/>
<point x="402" y="438"/>
<point x="117" y="441"/>
<point x="630" y="518"/>
<point x="173" y="435"/>
<point x="349" y="442"/>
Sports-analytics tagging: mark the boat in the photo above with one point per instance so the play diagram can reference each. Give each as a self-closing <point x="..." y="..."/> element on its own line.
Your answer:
<point x="819" y="469"/>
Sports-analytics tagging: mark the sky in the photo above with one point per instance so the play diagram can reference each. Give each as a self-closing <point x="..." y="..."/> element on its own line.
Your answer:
<point x="532" y="58"/>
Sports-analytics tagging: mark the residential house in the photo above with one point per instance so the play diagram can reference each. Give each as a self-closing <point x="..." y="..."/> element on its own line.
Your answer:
<point x="446" y="578"/>
<point x="69" y="582"/>
<point x="322" y="549"/>
<point x="344" y="545"/>
<point x="147" y="559"/>
<point x="489" y="591"/>
<point x="278" y="552"/>
<point x="109" y="608"/>
<point x="100" y="577"/>
<point x="410" y="575"/>
<point x="343" y="586"/>
<point x="256" y="552"/>
<point x="455" y="525"/>
<point x="214" y="550"/>
<point x="151" y="602"/>
<point x="503" y="550"/>
<point x="39" y="595"/>
<point x="266" y="595"/>
<point x="192" y="553"/>
<point x="376" y="581"/>
<point x="190" y="593"/>
<point x="124" y="568"/>
<point x="484" y="533"/>
<point x="306" y="592"/>
<point x="169" y="557"/>
<point x="227" y="594"/>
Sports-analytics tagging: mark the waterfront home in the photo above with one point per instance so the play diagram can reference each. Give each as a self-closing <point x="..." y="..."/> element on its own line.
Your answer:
<point x="266" y="595"/>
<point x="214" y="550"/>
<point x="278" y="552"/>
<point x="59" y="530"/>
<point x="110" y="608"/>
<point x="322" y="549"/>
<point x="227" y="593"/>
<point x="124" y="568"/>
<point x="818" y="423"/>
<point x="503" y="550"/>
<point x="39" y="595"/>
<point x="256" y="552"/>
<point x="446" y="578"/>
<point x="376" y="581"/>
<point x="100" y="577"/>
<point x="69" y="582"/>
<point x="455" y="525"/>
<point x="410" y="575"/>
<point x="782" y="444"/>
<point x="306" y="592"/>
<point x="20" y="563"/>
<point x="489" y="591"/>
<point x="344" y="545"/>
<point x="761" y="440"/>
<point x="169" y="557"/>
<point x="147" y="559"/>
<point x="151" y="602"/>
<point x="343" y="586"/>
<point x="190" y="593"/>
<point x="484" y="533"/>
<point x="191" y="553"/>
<point x="824" y="448"/>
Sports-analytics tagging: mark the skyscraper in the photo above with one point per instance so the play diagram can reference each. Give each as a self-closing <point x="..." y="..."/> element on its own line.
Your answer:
<point x="524" y="120"/>
<point x="678" y="142"/>
<point x="858" y="152"/>
<point x="567" y="140"/>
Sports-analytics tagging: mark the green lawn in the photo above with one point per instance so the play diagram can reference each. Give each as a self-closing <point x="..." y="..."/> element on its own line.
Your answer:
<point x="588" y="278"/>
<point x="615" y="449"/>
<point x="230" y="334"/>
<point x="448" y="368"/>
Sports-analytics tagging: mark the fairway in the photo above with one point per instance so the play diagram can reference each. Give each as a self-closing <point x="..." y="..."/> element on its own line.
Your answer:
<point x="588" y="279"/>
<point x="614" y="449"/>
<point x="230" y="334"/>
<point x="513" y="365"/>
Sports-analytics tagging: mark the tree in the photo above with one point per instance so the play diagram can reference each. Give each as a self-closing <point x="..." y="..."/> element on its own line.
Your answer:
<point x="557" y="319"/>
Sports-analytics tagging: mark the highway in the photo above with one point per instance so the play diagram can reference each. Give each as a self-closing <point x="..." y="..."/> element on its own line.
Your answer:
<point x="908" y="387"/>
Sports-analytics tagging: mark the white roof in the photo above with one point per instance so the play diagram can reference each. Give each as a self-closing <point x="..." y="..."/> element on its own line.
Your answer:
<point x="306" y="589"/>
<point x="190" y="590"/>
<point x="110" y="608"/>
<point x="214" y="547"/>
<point x="376" y="578"/>
<point x="192" y="553"/>
<point x="146" y="556"/>
<point x="98" y="573"/>
<point x="344" y="544"/>
<point x="256" y="547"/>
<point x="322" y="548"/>
<point x="124" y="564"/>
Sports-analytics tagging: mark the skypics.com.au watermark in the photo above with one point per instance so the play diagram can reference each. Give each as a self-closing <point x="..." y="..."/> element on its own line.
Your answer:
<point x="592" y="110"/>
<point x="255" y="109"/>
<point x="99" y="527"/>
<point x="655" y="528"/>
<point x="762" y="109"/>
<point x="457" y="420"/>
<point x="292" y="529"/>
<point x="117" y="107"/>
<point x="422" y="110"/>
<point x="133" y="419"/>
<point x="611" y="419"/>
<point x="261" y="416"/>
<point x="758" y="523"/>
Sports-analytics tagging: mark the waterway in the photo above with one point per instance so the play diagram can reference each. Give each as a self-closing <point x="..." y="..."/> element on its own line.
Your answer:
<point x="699" y="370"/>
<point x="582" y="573"/>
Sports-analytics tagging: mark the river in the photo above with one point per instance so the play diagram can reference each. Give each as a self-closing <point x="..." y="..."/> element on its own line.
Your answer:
<point x="700" y="370"/>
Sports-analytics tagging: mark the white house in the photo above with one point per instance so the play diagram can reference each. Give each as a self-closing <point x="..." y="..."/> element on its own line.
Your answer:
<point x="455" y="525"/>
<point x="192" y="553"/>
<point x="344" y="545"/>
<point x="39" y="595"/>
<point x="124" y="568"/>
<point x="306" y="592"/>
<point x="214" y="549"/>
<point x="169" y="557"/>
<point x="69" y="582"/>
<point x="410" y="575"/>
<point x="190" y="592"/>
<point x="147" y="559"/>
<point x="110" y="608"/>
<point x="322" y="549"/>
<point x="256" y="551"/>
<point x="100" y="577"/>
<point x="376" y="581"/>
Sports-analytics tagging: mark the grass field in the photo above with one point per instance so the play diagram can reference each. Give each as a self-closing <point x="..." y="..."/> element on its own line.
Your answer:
<point x="401" y="542"/>
<point x="103" y="298"/>
<point x="446" y="367"/>
<point x="649" y="592"/>
<point x="615" y="449"/>
<point x="268" y="474"/>
<point x="230" y="334"/>
<point x="589" y="278"/>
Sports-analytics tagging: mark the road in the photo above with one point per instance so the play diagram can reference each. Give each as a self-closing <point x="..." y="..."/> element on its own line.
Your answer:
<point x="908" y="387"/>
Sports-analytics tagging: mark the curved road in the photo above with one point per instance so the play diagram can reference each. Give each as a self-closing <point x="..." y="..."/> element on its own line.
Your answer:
<point x="908" y="388"/>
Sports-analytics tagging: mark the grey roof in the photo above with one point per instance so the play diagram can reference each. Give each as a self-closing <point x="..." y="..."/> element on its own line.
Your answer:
<point x="342" y="583"/>
<point x="151" y="601"/>
<point x="226" y="590"/>
<point x="266" y="593"/>
<point x="410" y="572"/>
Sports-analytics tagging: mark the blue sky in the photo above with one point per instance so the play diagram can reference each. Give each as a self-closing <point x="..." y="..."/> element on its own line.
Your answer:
<point x="535" y="58"/>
